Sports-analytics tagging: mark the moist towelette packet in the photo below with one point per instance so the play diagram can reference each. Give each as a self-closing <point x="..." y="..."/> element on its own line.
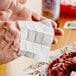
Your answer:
<point x="36" y="39"/>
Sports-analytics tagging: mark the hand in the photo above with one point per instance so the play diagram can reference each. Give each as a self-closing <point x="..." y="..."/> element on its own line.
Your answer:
<point x="10" y="34"/>
<point x="9" y="41"/>
<point x="27" y="15"/>
<point x="58" y="31"/>
<point x="4" y="4"/>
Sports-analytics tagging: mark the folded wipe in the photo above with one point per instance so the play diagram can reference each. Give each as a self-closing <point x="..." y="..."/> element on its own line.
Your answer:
<point x="36" y="39"/>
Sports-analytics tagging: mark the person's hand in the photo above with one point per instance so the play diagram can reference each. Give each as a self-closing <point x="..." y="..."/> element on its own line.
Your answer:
<point x="9" y="41"/>
<point x="58" y="31"/>
<point x="27" y="15"/>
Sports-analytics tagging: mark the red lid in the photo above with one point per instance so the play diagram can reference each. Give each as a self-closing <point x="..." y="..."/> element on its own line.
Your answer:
<point x="68" y="6"/>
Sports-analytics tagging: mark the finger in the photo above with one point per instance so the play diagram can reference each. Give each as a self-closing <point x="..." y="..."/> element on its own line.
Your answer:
<point x="55" y="41"/>
<point x="59" y="31"/>
<point x="35" y="16"/>
<point x="54" y="24"/>
<point x="42" y="18"/>
<point x="22" y="1"/>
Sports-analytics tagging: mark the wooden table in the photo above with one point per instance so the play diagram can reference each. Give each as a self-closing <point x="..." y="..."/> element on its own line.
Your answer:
<point x="69" y="34"/>
<point x="15" y="67"/>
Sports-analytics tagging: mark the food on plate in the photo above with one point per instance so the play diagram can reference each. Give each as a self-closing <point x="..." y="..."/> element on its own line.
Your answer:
<point x="63" y="66"/>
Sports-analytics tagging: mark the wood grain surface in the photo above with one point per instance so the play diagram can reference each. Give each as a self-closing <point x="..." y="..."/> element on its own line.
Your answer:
<point x="69" y="34"/>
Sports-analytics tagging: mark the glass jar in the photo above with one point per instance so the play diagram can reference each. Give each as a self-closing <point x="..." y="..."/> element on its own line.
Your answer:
<point x="51" y="9"/>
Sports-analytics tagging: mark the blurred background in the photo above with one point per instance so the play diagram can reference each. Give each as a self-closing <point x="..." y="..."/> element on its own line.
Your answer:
<point x="34" y="5"/>
<point x="65" y="11"/>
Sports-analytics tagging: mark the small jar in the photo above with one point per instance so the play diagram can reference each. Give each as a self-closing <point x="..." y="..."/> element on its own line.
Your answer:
<point x="51" y="9"/>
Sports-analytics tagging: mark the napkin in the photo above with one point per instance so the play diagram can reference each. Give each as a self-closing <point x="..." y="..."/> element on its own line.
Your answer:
<point x="36" y="39"/>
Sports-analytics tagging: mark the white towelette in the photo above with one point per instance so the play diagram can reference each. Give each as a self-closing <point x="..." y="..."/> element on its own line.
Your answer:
<point x="36" y="39"/>
<point x="41" y="67"/>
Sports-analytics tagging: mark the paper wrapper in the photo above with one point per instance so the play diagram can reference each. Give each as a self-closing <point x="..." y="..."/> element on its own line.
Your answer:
<point x="41" y="67"/>
<point x="36" y="39"/>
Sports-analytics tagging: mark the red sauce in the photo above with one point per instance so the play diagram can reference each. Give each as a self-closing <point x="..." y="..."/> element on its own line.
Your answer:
<point x="63" y="66"/>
